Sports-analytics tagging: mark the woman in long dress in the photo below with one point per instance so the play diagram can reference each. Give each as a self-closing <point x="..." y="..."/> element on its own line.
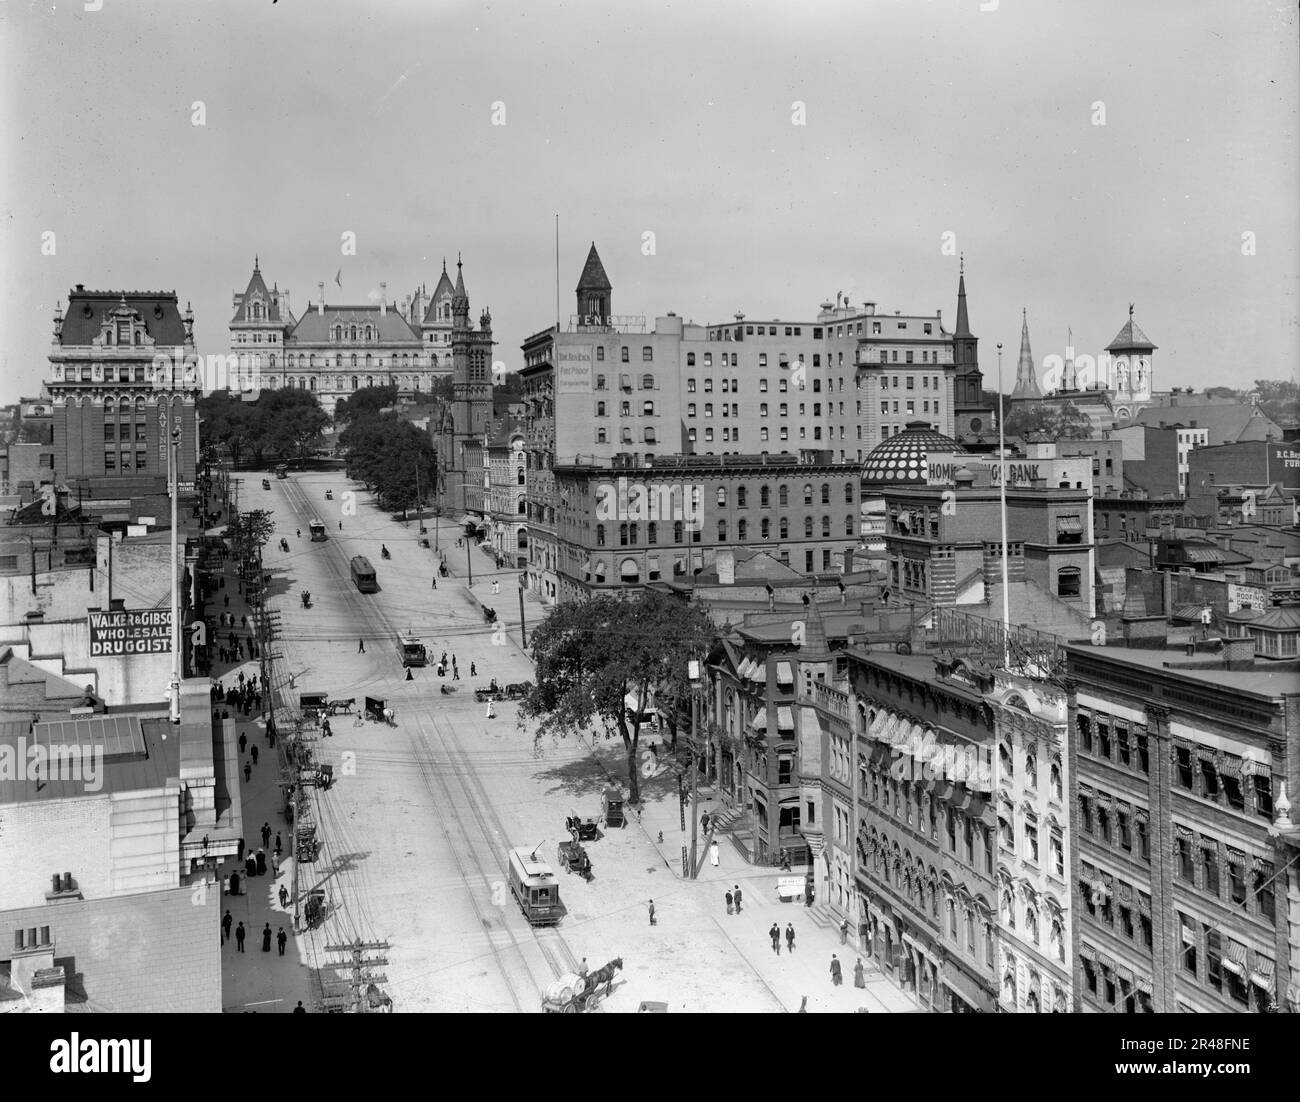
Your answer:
<point x="859" y="979"/>
<point x="713" y="854"/>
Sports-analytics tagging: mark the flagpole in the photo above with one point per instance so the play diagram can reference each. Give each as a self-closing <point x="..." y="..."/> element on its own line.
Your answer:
<point x="557" y="272"/>
<point x="1002" y="486"/>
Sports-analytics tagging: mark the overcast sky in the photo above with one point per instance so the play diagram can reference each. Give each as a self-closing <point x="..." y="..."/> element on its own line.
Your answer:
<point x="676" y="119"/>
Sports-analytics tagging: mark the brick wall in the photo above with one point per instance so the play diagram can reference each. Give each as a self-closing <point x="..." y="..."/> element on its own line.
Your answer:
<point x="42" y="838"/>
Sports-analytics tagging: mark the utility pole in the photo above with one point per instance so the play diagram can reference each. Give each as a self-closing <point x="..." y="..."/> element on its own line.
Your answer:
<point x="469" y="566"/>
<point x="174" y="694"/>
<point x="1002" y="479"/>
<point x="523" y="625"/>
<point x="350" y="993"/>
<point x="693" y="668"/>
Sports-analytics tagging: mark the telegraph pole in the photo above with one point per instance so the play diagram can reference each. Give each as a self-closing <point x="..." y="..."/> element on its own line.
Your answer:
<point x="349" y="994"/>
<point x="693" y="668"/>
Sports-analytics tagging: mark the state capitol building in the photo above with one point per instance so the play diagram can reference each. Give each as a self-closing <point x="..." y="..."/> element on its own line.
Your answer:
<point x="335" y="350"/>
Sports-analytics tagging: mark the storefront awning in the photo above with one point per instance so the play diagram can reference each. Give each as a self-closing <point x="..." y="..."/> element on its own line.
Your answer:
<point x="784" y="673"/>
<point x="759" y="722"/>
<point x="965" y="988"/>
<point x="1069" y="525"/>
<point x="784" y="718"/>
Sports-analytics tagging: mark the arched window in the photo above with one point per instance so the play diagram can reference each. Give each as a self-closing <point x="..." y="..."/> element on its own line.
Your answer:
<point x="139" y="404"/>
<point x="1031" y="923"/>
<point x="354" y="378"/>
<point x="677" y="531"/>
<point x="826" y="527"/>
<point x="807" y="527"/>
<point x="519" y="477"/>
<point x="722" y="531"/>
<point x="762" y="497"/>
<point x="1067" y="581"/>
<point x="848" y="526"/>
<point x="742" y="531"/>
<point x="740" y="497"/>
<point x="1008" y="910"/>
<point x="601" y="436"/>
<point x="826" y="493"/>
<point x="848" y="493"/>
<point x="1056" y="780"/>
<point x="785" y="528"/>
<point x="369" y="359"/>
<point x="808" y="494"/>
<point x="764" y="528"/>
<point x="370" y="380"/>
<point x="783" y="495"/>
<point x="354" y="359"/>
<point x="722" y="497"/>
<point x="312" y="382"/>
<point x="600" y="535"/>
<point x="354" y="333"/>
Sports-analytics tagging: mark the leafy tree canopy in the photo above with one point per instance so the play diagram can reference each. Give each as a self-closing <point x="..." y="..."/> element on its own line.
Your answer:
<point x="592" y="655"/>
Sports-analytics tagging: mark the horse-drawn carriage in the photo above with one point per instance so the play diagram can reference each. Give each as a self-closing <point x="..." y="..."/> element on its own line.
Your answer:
<point x="582" y="828"/>
<point x="574" y="993"/>
<point x="313" y="705"/>
<point x="379" y="711"/>
<point x="493" y="691"/>
<point x="313" y="910"/>
<point x="611" y="808"/>
<point x="517" y="690"/>
<point x="573" y="858"/>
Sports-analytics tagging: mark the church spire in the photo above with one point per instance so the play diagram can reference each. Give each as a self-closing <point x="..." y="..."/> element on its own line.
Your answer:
<point x="1026" y="377"/>
<point x="963" y="322"/>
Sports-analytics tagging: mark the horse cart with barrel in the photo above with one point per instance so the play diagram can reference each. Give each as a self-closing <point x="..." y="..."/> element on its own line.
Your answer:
<point x="573" y="858"/>
<point x="575" y="992"/>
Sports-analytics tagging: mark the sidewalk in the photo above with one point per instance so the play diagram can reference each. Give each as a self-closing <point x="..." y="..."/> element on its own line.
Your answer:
<point x="254" y="980"/>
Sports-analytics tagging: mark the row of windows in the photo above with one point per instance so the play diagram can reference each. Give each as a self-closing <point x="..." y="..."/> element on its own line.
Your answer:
<point x="113" y="463"/>
<point x="629" y="533"/>
<point x="1225" y="873"/>
<point x="1115" y="824"/>
<point x="112" y="431"/>
<point x="902" y="800"/>
<point x="1128" y="916"/>
<point x="1219" y="779"/>
<point x="909" y="407"/>
<point x="733" y="434"/>
<point x="629" y="572"/>
<point x="1225" y="965"/>
<point x="309" y="360"/>
<point x="1114" y="740"/>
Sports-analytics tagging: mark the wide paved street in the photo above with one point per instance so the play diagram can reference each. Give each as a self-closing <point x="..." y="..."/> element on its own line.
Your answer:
<point x="417" y="828"/>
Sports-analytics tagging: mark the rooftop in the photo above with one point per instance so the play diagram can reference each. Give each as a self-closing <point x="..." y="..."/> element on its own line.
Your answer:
<point x="1273" y="680"/>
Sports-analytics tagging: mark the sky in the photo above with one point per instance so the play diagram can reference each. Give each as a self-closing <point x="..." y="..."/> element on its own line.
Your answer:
<point x="724" y="156"/>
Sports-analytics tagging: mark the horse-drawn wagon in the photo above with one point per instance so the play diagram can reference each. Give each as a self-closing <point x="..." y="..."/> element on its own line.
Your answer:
<point x="574" y="993"/>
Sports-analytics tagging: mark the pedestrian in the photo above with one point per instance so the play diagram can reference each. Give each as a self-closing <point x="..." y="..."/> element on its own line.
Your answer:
<point x="248" y="771"/>
<point x="409" y="675"/>
<point x="278" y="845"/>
<point x="275" y="864"/>
<point x="652" y="913"/>
<point x="243" y="742"/>
<point x="266" y="938"/>
<point x="713" y="854"/>
<point x="491" y="712"/>
<point x="473" y="670"/>
<point x="250" y="866"/>
<point x="261" y="862"/>
<point x="704" y="822"/>
<point x="844" y="932"/>
<point x="284" y="897"/>
<point x="789" y="938"/>
<point x="731" y="907"/>
<point x="326" y="732"/>
<point x="736" y="892"/>
<point x="837" y="976"/>
<point x="434" y="579"/>
<point x="340" y="529"/>
<point x="234" y="883"/>
<point x="775" y="934"/>
<point x="300" y="1009"/>
<point x="239" y="937"/>
<point x="443" y="660"/>
<point x="226" y="922"/>
<point x="803" y="1006"/>
<point x="859" y="979"/>
<point x="266" y="834"/>
<point x="361" y="646"/>
<point x="253" y="751"/>
<point x="280" y="939"/>
<point x="300" y="533"/>
<point x="455" y="674"/>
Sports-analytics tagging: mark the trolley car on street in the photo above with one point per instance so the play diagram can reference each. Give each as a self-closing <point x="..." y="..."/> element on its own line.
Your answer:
<point x="534" y="886"/>
<point x="317" y="530"/>
<point x="363" y="575"/>
<point x="412" y="651"/>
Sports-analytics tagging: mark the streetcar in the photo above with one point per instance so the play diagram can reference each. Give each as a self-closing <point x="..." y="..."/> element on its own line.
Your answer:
<point x="535" y="888"/>
<point x="317" y="530"/>
<point x="412" y="651"/>
<point x="282" y="471"/>
<point x="363" y="575"/>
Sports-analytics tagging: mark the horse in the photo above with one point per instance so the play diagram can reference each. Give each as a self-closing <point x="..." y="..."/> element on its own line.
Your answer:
<point x="344" y="706"/>
<point x="604" y="975"/>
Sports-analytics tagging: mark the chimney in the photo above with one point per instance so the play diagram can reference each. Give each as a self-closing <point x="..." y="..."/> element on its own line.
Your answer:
<point x="284" y="304"/>
<point x="869" y="308"/>
<point x="1239" y="653"/>
<point x="321" y="287"/>
<point x="383" y="299"/>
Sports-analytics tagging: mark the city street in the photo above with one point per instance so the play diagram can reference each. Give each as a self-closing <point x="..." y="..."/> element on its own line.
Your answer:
<point x="417" y="827"/>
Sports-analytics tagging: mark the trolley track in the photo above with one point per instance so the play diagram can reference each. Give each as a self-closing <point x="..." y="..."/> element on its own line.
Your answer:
<point x="467" y="824"/>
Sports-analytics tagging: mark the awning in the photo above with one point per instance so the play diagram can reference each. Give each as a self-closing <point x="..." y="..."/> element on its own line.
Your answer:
<point x="759" y="722"/>
<point x="219" y="530"/>
<point x="784" y="718"/>
<point x="784" y="673"/>
<point x="1262" y="974"/>
<point x="1071" y="525"/>
<point x="1087" y="952"/>
<point x="1235" y="961"/>
<point x="633" y="703"/>
<point x="653" y="564"/>
<point x="1203" y="554"/>
<point x="1144" y="987"/>
<point x="1229" y="766"/>
<point x="965" y="987"/>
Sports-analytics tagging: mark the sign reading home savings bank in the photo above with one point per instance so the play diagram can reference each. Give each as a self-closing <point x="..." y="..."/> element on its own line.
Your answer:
<point x="573" y="369"/>
<point x="130" y="631"/>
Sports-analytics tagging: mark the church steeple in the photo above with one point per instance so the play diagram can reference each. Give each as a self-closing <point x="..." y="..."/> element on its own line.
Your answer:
<point x="459" y="299"/>
<point x="963" y="322"/>
<point x="1026" y="378"/>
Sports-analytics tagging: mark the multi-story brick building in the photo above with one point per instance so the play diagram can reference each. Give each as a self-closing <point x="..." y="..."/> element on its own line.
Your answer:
<point x="119" y="389"/>
<point x="833" y="384"/>
<point x="925" y="846"/>
<point x="507" y="460"/>
<point x="627" y="525"/>
<point x="1184" y="898"/>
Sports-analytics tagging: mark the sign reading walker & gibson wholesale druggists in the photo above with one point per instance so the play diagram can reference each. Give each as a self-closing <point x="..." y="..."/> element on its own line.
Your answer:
<point x="130" y="631"/>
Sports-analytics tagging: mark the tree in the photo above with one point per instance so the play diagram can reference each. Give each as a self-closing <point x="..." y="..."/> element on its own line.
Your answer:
<point x="385" y="452"/>
<point x="229" y="422"/>
<point x="592" y="655"/>
<point x="250" y="531"/>
<point x="362" y="403"/>
<point x="289" y="424"/>
<point x="1278" y="399"/>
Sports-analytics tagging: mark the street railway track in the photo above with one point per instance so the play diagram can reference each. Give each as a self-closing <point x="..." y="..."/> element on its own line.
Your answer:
<point x="479" y="853"/>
